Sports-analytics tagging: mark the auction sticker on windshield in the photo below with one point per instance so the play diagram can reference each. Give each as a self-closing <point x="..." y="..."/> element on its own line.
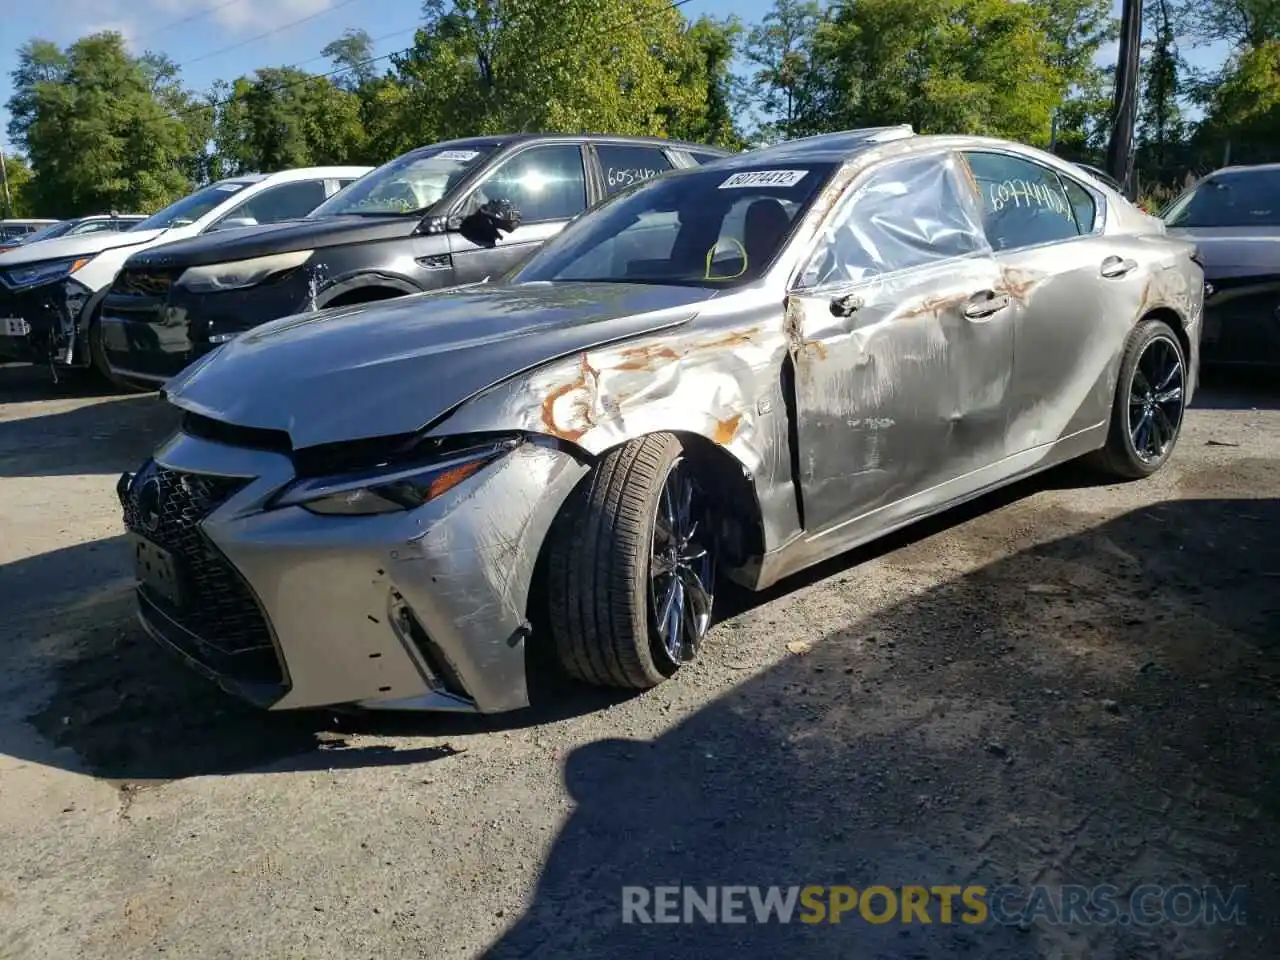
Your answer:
<point x="764" y="178"/>
<point x="460" y="155"/>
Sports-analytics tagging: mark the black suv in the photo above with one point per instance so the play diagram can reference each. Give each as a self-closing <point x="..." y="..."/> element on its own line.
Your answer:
<point x="452" y="213"/>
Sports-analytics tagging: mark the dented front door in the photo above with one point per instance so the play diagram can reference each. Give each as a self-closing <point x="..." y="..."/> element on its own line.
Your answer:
<point x="901" y="384"/>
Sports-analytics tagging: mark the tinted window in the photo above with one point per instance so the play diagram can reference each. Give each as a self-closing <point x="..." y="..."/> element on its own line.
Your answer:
<point x="1246" y="198"/>
<point x="92" y="226"/>
<point x="1023" y="203"/>
<point x="1082" y="205"/>
<point x="543" y="183"/>
<point x="903" y="215"/>
<point x="705" y="157"/>
<point x="625" y="165"/>
<point x="288" y="201"/>
<point x="698" y="228"/>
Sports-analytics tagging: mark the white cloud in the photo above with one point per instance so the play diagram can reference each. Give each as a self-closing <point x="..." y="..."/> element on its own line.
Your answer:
<point x="154" y="22"/>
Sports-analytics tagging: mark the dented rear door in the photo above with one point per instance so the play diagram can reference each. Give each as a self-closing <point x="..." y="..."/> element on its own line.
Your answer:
<point x="901" y="345"/>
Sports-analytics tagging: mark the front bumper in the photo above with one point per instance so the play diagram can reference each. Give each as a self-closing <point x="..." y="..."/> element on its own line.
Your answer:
<point x="152" y="330"/>
<point x="420" y="610"/>
<point x="1242" y="322"/>
<point x="51" y="311"/>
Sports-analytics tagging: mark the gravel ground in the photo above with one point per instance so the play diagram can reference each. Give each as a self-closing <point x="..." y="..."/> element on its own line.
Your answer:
<point x="1062" y="683"/>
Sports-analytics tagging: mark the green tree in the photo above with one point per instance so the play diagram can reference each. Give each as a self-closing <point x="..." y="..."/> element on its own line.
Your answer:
<point x="1160" y="122"/>
<point x="1241" y="23"/>
<point x="283" y="117"/>
<point x="944" y="66"/>
<point x="705" y="59"/>
<point x="779" y="50"/>
<point x="1075" y="31"/>
<point x="351" y="52"/>
<point x="1244" y="111"/>
<point x="18" y="179"/>
<point x="480" y="66"/>
<point x="99" y="128"/>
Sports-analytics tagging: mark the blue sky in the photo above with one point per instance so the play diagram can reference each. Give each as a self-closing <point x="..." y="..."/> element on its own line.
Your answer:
<point x="222" y="39"/>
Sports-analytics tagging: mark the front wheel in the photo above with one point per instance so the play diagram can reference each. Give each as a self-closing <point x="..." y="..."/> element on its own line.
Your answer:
<point x="631" y="568"/>
<point x="1146" y="418"/>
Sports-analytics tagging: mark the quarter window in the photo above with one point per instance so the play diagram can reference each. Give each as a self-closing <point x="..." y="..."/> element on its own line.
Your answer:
<point x="1083" y="205"/>
<point x="1023" y="203"/>
<point x="543" y="183"/>
<point x="906" y="214"/>
<point x="624" y="165"/>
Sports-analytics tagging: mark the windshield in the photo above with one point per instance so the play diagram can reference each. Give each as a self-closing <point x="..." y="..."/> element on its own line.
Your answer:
<point x="1248" y="198"/>
<point x="408" y="184"/>
<point x="49" y="232"/>
<point x="192" y="207"/>
<point x="713" y="227"/>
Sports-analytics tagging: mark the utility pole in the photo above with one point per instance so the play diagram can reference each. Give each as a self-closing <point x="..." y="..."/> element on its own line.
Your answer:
<point x="1124" y="108"/>
<point x="4" y="176"/>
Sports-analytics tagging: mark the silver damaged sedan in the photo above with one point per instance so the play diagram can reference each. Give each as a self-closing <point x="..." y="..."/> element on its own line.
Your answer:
<point x="731" y="371"/>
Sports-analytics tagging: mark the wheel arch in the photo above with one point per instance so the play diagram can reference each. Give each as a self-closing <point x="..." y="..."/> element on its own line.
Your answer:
<point x="364" y="288"/>
<point x="1175" y="322"/>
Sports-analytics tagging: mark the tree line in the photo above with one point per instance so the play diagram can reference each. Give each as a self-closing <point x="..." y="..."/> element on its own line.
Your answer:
<point x="100" y="128"/>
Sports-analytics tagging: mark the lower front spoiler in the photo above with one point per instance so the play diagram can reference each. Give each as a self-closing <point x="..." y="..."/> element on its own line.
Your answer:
<point x="202" y="658"/>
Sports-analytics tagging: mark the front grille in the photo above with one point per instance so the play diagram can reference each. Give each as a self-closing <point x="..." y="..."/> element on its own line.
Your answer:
<point x="145" y="282"/>
<point x="166" y="507"/>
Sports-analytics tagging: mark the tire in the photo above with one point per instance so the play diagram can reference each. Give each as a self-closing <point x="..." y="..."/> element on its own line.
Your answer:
<point x="98" y="360"/>
<point x="602" y="612"/>
<point x="1152" y="350"/>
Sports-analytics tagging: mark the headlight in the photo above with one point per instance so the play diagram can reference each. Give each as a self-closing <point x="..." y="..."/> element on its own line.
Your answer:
<point x="38" y="273"/>
<point x="391" y="491"/>
<point x="240" y="273"/>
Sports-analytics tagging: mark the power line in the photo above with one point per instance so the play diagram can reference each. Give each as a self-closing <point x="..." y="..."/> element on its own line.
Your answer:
<point x="199" y="14"/>
<point x="302" y="81"/>
<point x="269" y="33"/>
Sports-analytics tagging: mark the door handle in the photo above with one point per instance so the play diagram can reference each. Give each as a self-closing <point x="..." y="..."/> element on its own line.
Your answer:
<point x="1116" y="267"/>
<point x="982" y="305"/>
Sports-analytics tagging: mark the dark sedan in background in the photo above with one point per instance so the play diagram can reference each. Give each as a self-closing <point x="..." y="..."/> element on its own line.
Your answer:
<point x="452" y="213"/>
<point x="1233" y="215"/>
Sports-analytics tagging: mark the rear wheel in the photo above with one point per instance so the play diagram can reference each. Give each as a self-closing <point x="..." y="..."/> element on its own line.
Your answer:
<point x="1146" y="418"/>
<point x="631" y="568"/>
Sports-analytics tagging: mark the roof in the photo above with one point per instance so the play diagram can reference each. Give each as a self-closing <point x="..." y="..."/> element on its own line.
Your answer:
<point x="1245" y="169"/>
<point x="507" y="139"/>
<point x="298" y="173"/>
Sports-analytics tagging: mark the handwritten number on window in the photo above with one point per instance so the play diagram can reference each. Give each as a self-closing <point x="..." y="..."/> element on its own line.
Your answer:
<point x="626" y="176"/>
<point x="1021" y="193"/>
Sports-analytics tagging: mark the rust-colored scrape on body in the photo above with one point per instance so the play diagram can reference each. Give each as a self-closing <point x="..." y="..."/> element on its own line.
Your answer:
<point x="1018" y="283"/>
<point x="581" y="406"/>
<point x="727" y="429"/>
<point x="929" y="306"/>
<point x="734" y="338"/>
<point x="645" y="358"/>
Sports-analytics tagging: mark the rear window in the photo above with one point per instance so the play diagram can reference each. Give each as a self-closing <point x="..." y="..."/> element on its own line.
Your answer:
<point x="1246" y="198"/>
<point x="720" y="228"/>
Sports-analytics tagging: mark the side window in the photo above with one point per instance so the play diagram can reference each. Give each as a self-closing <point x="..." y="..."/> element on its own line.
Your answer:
<point x="1023" y="203"/>
<point x="906" y="214"/>
<point x="543" y="183"/>
<point x="704" y="157"/>
<point x="288" y="201"/>
<point x="1083" y="205"/>
<point x="93" y="226"/>
<point x="624" y="165"/>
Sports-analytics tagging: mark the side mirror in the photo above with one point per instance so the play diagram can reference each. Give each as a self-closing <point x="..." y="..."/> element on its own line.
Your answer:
<point x="485" y="226"/>
<point x="234" y="223"/>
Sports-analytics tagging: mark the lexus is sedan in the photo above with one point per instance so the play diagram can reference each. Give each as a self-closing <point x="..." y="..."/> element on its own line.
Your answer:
<point x="735" y="370"/>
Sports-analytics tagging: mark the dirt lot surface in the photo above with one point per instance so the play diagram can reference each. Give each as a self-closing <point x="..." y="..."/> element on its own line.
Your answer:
<point x="1062" y="683"/>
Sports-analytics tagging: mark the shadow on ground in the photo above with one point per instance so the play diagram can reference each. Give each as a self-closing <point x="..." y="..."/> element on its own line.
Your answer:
<point x="1100" y="709"/>
<point x="125" y="709"/>
<point x="81" y="430"/>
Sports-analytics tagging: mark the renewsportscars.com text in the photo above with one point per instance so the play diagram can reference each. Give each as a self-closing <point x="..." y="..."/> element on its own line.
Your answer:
<point x="1008" y="905"/>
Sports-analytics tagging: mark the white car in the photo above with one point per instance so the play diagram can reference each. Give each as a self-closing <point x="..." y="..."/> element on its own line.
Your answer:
<point x="50" y="290"/>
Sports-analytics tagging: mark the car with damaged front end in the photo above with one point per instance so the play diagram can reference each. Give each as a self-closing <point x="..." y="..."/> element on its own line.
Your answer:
<point x="732" y="371"/>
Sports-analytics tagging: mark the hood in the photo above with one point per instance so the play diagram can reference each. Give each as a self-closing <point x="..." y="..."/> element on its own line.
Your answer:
<point x="247" y="242"/>
<point x="84" y="245"/>
<point x="396" y="366"/>
<point x="1228" y="252"/>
